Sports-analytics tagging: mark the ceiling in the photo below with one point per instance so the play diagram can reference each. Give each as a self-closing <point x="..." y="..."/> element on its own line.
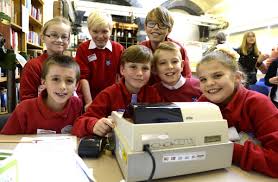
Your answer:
<point x="194" y="7"/>
<point x="117" y="2"/>
<point x="139" y="8"/>
<point x="208" y="5"/>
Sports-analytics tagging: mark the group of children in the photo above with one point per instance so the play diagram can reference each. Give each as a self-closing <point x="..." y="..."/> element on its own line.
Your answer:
<point x="110" y="76"/>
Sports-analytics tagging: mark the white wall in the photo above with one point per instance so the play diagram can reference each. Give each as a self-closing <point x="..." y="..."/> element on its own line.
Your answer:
<point x="182" y="31"/>
<point x="48" y="10"/>
<point x="84" y="32"/>
<point x="243" y="15"/>
<point x="259" y="16"/>
<point x="187" y="34"/>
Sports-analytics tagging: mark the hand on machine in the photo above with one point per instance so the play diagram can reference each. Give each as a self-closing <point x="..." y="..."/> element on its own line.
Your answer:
<point x="92" y="146"/>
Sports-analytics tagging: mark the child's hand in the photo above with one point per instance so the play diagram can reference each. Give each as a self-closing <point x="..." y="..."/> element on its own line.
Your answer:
<point x="103" y="126"/>
<point x="87" y="105"/>
<point x="247" y="136"/>
<point x="274" y="80"/>
<point x="262" y="58"/>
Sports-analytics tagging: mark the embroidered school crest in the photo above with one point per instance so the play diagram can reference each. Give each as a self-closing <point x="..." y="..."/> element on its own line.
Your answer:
<point x="108" y="62"/>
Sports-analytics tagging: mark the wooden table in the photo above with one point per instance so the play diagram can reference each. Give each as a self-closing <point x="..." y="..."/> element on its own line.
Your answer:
<point x="106" y="169"/>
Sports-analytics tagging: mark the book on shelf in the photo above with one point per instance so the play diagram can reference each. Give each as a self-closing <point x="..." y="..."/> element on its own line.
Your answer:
<point x="13" y="17"/>
<point x="3" y="72"/>
<point x="36" y="13"/>
<point x="17" y="86"/>
<point x="3" y="100"/>
<point x="33" y="53"/>
<point x="34" y="37"/>
<point x="5" y="7"/>
<point x="14" y="40"/>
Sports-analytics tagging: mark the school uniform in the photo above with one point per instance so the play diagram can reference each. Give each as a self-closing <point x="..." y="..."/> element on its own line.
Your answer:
<point x="272" y="72"/>
<point x="30" y="78"/>
<point x="99" y="66"/>
<point x="253" y="113"/>
<point x="186" y="90"/>
<point x="186" y="69"/>
<point x="248" y="65"/>
<point x="113" y="98"/>
<point x="33" y="114"/>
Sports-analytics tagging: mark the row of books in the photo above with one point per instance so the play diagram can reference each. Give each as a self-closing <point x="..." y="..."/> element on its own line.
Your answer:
<point x="34" y="37"/>
<point x="14" y="14"/>
<point x="36" y="13"/>
<point x="3" y="73"/>
<point x="33" y="11"/>
<point x="4" y="96"/>
<point x="14" y="40"/>
<point x="3" y="100"/>
<point x="8" y="8"/>
<point x="5" y="7"/>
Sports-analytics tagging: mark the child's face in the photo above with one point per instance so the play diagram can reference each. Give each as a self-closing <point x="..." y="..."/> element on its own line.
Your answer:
<point x="169" y="66"/>
<point x="156" y="32"/>
<point x="100" y="35"/>
<point x="56" y="38"/>
<point x="136" y="75"/>
<point x="60" y="83"/>
<point x="251" y="38"/>
<point x="274" y="52"/>
<point x="217" y="82"/>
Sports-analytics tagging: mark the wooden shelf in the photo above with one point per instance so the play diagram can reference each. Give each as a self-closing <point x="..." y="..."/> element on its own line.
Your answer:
<point x="16" y="27"/>
<point x="33" y="46"/>
<point x="4" y="79"/>
<point x="34" y="22"/>
<point x="20" y="39"/>
<point x="1" y="113"/>
<point x="125" y="33"/>
<point x="127" y="26"/>
<point x="38" y="3"/>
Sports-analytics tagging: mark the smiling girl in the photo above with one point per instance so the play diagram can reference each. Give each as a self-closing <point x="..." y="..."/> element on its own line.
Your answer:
<point x="56" y="35"/>
<point x="251" y="113"/>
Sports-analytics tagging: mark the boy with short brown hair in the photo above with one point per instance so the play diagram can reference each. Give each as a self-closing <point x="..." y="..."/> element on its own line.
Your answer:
<point x="55" y="109"/>
<point x="136" y="69"/>
<point x="158" y="25"/>
<point x="168" y="66"/>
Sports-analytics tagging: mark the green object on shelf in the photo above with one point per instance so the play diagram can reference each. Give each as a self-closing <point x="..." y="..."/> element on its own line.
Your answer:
<point x="25" y="55"/>
<point x="4" y="18"/>
<point x="8" y="61"/>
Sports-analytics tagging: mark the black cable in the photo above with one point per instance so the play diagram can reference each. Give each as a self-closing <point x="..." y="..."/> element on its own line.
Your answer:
<point x="147" y="149"/>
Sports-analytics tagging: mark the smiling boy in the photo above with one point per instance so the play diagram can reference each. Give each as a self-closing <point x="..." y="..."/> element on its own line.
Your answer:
<point x="136" y="70"/>
<point x="55" y="109"/>
<point x="158" y="25"/>
<point x="168" y="66"/>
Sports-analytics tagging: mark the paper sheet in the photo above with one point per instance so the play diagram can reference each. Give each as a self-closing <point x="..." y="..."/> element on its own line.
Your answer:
<point x="22" y="61"/>
<point x="52" y="159"/>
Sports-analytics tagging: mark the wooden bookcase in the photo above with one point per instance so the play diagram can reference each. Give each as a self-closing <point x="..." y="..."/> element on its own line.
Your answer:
<point x="21" y="35"/>
<point x="29" y="39"/>
<point x="124" y="33"/>
<point x="35" y="24"/>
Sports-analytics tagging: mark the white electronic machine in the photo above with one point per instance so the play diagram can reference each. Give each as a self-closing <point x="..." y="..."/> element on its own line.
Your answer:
<point x="196" y="142"/>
